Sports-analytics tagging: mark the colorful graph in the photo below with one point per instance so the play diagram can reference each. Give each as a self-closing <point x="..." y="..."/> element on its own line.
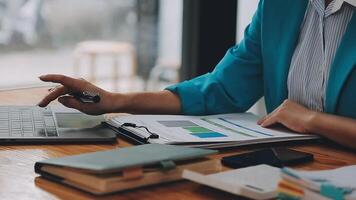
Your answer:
<point x="192" y="128"/>
<point x="226" y="128"/>
<point x="244" y="127"/>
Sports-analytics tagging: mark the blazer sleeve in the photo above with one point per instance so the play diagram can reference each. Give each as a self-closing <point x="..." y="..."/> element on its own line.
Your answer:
<point x="234" y="85"/>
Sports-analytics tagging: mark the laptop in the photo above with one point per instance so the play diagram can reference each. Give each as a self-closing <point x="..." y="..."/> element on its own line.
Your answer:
<point x="32" y="124"/>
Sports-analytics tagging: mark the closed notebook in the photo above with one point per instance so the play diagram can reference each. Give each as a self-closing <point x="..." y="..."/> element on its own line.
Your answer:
<point x="126" y="168"/>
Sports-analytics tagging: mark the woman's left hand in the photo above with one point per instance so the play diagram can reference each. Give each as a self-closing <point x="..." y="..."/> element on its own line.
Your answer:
<point x="290" y="114"/>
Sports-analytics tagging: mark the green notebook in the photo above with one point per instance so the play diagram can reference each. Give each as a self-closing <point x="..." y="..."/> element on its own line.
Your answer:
<point x="126" y="168"/>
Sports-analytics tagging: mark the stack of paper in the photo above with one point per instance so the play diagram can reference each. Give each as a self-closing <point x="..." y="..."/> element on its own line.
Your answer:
<point x="326" y="184"/>
<point x="256" y="182"/>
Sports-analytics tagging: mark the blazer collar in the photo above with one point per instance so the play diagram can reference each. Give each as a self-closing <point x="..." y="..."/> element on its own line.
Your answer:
<point x="342" y="65"/>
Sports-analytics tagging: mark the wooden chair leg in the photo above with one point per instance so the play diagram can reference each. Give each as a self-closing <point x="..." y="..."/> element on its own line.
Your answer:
<point x="76" y="65"/>
<point x="134" y="63"/>
<point x="92" y="67"/>
<point x="133" y="75"/>
<point x="115" y="75"/>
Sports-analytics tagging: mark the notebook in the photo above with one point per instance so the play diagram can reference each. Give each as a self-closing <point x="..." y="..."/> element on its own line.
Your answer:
<point x="211" y="131"/>
<point x="126" y="168"/>
<point x="256" y="182"/>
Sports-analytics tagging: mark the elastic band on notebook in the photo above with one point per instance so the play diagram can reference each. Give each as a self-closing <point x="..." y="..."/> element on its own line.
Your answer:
<point x="167" y="165"/>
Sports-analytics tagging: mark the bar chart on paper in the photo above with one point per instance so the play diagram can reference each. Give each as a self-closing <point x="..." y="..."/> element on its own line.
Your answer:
<point x="192" y="128"/>
<point x="224" y="127"/>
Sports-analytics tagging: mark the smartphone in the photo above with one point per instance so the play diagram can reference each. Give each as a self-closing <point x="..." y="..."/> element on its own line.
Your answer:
<point x="278" y="157"/>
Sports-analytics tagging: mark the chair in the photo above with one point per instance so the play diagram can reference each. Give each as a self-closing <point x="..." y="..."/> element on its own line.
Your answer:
<point x="165" y="70"/>
<point x="94" y="49"/>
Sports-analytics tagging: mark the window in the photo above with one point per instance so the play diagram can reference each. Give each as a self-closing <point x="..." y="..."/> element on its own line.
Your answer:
<point x="113" y="43"/>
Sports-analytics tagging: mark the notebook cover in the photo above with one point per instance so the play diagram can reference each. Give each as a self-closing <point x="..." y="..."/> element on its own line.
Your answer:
<point x="117" y="159"/>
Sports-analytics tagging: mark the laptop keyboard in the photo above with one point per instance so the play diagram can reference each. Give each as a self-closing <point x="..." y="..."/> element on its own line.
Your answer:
<point x="27" y="121"/>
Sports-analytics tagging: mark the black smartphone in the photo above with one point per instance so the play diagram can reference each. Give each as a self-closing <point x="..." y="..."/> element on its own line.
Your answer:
<point x="277" y="157"/>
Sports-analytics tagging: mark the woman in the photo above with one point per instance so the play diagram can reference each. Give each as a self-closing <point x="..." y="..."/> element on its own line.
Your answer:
<point x="300" y="55"/>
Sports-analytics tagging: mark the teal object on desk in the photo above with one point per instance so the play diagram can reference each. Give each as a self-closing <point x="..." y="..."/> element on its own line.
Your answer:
<point x="259" y="65"/>
<point x="332" y="192"/>
<point x="115" y="160"/>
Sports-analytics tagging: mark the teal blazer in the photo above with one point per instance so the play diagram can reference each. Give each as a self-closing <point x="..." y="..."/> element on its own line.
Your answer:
<point x="259" y="65"/>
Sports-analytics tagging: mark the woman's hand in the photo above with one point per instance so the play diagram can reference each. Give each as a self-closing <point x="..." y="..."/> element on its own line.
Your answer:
<point x="69" y="85"/>
<point x="292" y="115"/>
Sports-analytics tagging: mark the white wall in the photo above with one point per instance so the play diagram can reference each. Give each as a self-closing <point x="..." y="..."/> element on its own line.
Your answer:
<point x="170" y="30"/>
<point x="245" y="11"/>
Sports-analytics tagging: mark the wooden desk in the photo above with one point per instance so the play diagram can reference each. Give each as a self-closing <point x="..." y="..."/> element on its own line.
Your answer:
<point x="18" y="180"/>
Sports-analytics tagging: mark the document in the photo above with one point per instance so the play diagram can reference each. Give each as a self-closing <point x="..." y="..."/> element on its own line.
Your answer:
<point x="211" y="130"/>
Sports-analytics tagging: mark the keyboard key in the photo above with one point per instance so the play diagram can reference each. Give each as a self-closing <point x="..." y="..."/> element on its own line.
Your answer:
<point x="15" y="125"/>
<point x="14" y="116"/>
<point x="4" y="124"/>
<point x="28" y="130"/>
<point x="27" y="124"/>
<point x="26" y="119"/>
<point x="28" y="134"/>
<point x="39" y="133"/>
<point x="16" y="133"/>
<point x="39" y="126"/>
<point x="27" y="127"/>
<point x="51" y="133"/>
<point x="37" y="118"/>
<point x="49" y="122"/>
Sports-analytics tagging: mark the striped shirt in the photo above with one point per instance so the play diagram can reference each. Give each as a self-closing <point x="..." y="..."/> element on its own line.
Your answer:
<point x="320" y="36"/>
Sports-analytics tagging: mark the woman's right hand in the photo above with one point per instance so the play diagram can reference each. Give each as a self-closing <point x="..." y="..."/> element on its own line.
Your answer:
<point x="68" y="85"/>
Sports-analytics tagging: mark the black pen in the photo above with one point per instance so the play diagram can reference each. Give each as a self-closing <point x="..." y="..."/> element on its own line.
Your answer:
<point x="86" y="96"/>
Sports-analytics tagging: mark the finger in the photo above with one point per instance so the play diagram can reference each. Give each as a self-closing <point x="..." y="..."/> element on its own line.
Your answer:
<point x="71" y="102"/>
<point x="75" y="84"/>
<point x="54" y="94"/>
<point x="273" y="119"/>
<point x="260" y="121"/>
<point x="53" y="88"/>
<point x="263" y="119"/>
<point x="274" y="112"/>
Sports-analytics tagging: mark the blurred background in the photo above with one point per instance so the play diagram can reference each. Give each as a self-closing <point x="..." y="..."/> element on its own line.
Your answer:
<point x="120" y="45"/>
